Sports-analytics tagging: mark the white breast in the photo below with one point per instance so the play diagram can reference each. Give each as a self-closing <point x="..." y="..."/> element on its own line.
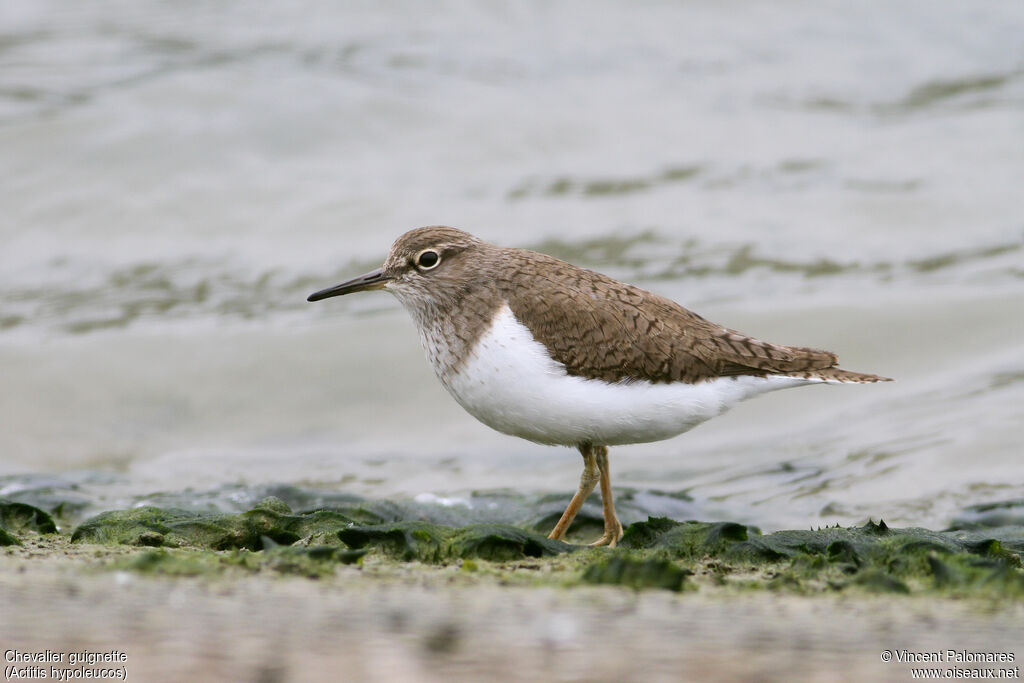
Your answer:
<point x="511" y="384"/>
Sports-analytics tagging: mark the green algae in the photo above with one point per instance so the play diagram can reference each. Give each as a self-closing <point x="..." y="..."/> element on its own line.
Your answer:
<point x="152" y="526"/>
<point x="405" y="541"/>
<point x="162" y="561"/>
<point x="502" y="543"/>
<point x="877" y="581"/>
<point x="872" y="557"/>
<point x="18" y="518"/>
<point x="688" y="540"/>
<point x="427" y="542"/>
<point x="312" y="562"/>
<point x="272" y="523"/>
<point x="637" y="574"/>
<point x="657" y="553"/>
<point x="7" y="538"/>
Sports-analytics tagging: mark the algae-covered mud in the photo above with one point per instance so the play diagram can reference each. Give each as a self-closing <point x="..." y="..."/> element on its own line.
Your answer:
<point x="401" y="593"/>
<point x="657" y="553"/>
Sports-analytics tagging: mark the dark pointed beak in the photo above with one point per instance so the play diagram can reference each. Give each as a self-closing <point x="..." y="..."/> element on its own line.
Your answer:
<point x="375" y="279"/>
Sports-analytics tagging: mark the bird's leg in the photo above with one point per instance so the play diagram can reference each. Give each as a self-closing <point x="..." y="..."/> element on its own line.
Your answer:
<point x="589" y="478"/>
<point x="612" y="526"/>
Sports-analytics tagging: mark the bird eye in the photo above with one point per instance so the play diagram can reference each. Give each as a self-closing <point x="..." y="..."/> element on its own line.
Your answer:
<point x="427" y="259"/>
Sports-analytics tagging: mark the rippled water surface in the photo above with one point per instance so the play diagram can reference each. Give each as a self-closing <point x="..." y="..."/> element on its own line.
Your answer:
<point x="178" y="177"/>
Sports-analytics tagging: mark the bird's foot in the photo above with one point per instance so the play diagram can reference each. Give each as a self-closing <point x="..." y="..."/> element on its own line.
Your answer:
<point x="606" y="539"/>
<point x="612" y="535"/>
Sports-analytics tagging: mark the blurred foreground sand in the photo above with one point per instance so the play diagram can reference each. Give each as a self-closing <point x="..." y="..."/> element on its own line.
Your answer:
<point x="424" y="623"/>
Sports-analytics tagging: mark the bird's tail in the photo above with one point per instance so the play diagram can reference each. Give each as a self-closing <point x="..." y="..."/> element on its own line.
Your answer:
<point x="840" y="376"/>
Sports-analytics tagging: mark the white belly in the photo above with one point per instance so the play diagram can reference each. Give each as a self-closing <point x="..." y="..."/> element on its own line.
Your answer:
<point x="510" y="384"/>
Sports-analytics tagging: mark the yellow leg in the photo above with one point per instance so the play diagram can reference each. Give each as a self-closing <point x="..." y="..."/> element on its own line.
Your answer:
<point x="612" y="526"/>
<point x="589" y="478"/>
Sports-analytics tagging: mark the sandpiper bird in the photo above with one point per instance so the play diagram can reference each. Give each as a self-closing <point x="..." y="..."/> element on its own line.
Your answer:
<point x="541" y="349"/>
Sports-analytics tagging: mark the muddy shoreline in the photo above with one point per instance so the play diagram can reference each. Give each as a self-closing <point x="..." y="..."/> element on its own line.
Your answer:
<point x="411" y="600"/>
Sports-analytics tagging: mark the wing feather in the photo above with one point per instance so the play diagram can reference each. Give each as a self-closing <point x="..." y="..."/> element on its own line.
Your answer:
<point x="604" y="329"/>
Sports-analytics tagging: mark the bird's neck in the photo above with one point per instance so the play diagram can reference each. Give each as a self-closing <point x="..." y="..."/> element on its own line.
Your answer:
<point x="450" y="327"/>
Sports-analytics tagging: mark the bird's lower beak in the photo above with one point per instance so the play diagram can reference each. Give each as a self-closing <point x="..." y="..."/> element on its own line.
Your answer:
<point x="375" y="279"/>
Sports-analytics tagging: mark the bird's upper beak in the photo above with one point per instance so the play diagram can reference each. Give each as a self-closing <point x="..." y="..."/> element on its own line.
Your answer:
<point x="375" y="279"/>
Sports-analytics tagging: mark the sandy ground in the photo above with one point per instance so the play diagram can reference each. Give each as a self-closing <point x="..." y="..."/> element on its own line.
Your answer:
<point x="386" y="622"/>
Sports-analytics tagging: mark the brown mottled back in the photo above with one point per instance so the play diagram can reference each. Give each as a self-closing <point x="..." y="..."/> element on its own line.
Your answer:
<point x="604" y="329"/>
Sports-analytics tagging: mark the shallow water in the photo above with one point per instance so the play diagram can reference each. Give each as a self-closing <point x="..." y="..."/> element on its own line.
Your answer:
<point x="176" y="181"/>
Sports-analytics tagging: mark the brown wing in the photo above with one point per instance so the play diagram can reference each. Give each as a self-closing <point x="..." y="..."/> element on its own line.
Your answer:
<point x="604" y="329"/>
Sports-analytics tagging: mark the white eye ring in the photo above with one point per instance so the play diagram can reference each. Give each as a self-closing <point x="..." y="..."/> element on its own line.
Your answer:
<point x="418" y="261"/>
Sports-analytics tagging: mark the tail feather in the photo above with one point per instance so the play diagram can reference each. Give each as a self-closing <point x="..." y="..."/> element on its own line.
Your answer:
<point x="839" y="375"/>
